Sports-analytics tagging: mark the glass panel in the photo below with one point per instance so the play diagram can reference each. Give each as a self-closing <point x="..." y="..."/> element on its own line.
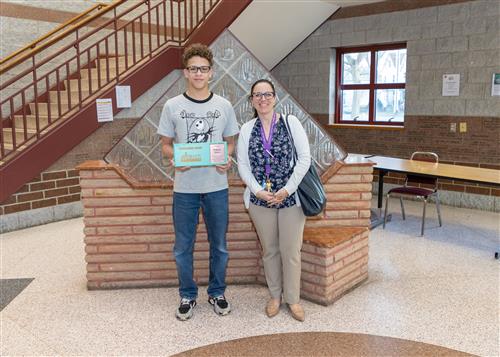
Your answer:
<point x="390" y="105"/>
<point x="391" y="66"/>
<point x="235" y="70"/>
<point x="355" y="105"/>
<point x="356" y="68"/>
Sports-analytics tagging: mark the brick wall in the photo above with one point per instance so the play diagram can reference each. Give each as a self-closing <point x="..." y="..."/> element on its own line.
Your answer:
<point x="47" y="189"/>
<point x="61" y="182"/>
<point x="334" y="263"/>
<point x="129" y="230"/>
<point x="423" y="133"/>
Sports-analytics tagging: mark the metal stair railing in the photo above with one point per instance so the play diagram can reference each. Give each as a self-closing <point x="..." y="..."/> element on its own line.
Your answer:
<point x="52" y="78"/>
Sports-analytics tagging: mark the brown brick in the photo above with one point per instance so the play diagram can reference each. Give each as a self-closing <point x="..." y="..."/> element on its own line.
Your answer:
<point x="127" y="220"/>
<point x="90" y="231"/>
<point x="75" y="189"/>
<point x="447" y="187"/>
<point x="86" y="174"/>
<point x="39" y="186"/>
<point x="106" y="174"/>
<point x="29" y="196"/>
<point x="17" y="207"/>
<point x="118" y="276"/>
<point x="477" y="190"/>
<point x="44" y="203"/>
<point x="53" y="175"/>
<point x="116" y="201"/>
<point x="73" y="173"/>
<point x="56" y="192"/>
<point x="115" y="230"/>
<point x="98" y="183"/>
<point x="123" y="211"/>
<point x="68" y="182"/>
<point x="395" y="181"/>
<point x="1" y="210"/>
<point x="67" y="199"/>
<point x="123" y="248"/>
<point x="495" y="192"/>
<point x="353" y="169"/>
<point x="351" y="196"/>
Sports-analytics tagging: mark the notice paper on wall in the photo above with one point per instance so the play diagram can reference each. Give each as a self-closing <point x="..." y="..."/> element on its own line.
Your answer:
<point x="451" y="85"/>
<point x="123" y="98"/>
<point x="104" y="110"/>
<point x="495" y="85"/>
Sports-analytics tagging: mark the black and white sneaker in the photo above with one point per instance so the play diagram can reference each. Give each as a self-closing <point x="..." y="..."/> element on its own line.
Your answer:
<point x="220" y="304"/>
<point x="185" y="310"/>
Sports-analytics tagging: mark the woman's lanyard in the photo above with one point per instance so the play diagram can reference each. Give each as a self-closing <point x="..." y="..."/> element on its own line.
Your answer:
<point x="267" y="144"/>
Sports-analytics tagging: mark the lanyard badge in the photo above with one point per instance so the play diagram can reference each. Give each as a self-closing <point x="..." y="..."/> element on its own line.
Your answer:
<point x="267" y="144"/>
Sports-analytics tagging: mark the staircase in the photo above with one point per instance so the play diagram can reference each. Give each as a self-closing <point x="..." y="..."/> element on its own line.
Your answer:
<point x="48" y="104"/>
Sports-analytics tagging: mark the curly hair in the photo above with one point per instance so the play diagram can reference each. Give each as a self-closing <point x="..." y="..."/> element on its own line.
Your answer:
<point x="197" y="49"/>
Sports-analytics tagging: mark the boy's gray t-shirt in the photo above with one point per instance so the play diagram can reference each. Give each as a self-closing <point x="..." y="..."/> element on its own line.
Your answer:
<point x="188" y="120"/>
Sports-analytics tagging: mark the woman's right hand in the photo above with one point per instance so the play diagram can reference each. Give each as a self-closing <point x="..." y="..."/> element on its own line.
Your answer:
<point x="264" y="195"/>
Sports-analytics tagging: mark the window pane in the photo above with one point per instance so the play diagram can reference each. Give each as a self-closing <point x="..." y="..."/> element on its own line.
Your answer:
<point x="391" y="66"/>
<point x="356" y="68"/>
<point x="390" y="105"/>
<point x="355" y="105"/>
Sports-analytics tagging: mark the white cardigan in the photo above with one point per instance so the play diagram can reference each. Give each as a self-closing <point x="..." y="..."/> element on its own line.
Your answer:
<point x="303" y="159"/>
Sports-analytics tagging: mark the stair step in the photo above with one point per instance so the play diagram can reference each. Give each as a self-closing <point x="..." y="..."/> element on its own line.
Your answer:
<point x="30" y="121"/>
<point x="7" y="134"/>
<point x="85" y="86"/>
<point x="43" y="109"/>
<point x="8" y="147"/>
<point x="85" y="73"/>
<point x="53" y="96"/>
<point x="103" y="62"/>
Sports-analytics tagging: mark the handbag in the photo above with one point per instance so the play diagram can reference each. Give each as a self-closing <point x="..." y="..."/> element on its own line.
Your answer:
<point x="310" y="191"/>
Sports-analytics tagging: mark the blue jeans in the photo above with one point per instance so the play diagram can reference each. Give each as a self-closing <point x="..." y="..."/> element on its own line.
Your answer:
<point x="186" y="207"/>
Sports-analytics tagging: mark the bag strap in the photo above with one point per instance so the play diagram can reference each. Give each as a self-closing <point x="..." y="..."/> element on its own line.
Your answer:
<point x="295" y="158"/>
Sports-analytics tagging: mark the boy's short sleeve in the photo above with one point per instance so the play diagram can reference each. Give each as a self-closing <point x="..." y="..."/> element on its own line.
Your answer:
<point x="232" y="127"/>
<point x="166" y="126"/>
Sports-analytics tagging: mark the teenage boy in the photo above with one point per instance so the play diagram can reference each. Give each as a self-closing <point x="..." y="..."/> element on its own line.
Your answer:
<point x="197" y="116"/>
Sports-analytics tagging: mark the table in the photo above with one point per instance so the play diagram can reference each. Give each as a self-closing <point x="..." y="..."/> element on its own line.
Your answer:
<point x="385" y="164"/>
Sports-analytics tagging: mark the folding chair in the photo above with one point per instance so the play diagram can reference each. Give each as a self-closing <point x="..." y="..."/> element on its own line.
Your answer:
<point x="412" y="188"/>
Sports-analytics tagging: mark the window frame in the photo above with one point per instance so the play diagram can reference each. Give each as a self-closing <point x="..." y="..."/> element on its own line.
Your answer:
<point x="372" y="86"/>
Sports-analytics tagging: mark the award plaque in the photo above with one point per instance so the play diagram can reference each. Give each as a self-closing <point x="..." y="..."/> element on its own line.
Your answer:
<point x="200" y="154"/>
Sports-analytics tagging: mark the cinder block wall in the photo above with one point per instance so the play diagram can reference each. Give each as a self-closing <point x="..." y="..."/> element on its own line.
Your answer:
<point x="463" y="37"/>
<point x="129" y="230"/>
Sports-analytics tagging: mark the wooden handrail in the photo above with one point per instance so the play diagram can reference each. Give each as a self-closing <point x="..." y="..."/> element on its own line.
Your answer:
<point x="47" y="35"/>
<point x="104" y="9"/>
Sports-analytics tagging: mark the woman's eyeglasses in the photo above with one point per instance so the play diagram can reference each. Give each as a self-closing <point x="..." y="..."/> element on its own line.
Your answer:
<point x="195" y="69"/>
<point x="264" y="95"/>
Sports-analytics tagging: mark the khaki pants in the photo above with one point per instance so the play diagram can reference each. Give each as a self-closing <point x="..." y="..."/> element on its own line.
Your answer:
<point x="280" y="234"/>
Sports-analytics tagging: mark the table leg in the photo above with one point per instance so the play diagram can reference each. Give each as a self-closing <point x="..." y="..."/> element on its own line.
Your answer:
<point x="376" y="216"/>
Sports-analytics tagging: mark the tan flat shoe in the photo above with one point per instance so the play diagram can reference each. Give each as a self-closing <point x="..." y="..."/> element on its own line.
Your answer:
<point x="273" y="307"/>
<point x="297" y="312"/>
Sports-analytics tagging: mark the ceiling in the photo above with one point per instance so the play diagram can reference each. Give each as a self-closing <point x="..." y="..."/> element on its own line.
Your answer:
<point x="271" y="29"/>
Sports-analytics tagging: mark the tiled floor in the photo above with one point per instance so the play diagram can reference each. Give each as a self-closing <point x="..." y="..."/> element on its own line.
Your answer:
<point x="441" y="289"/>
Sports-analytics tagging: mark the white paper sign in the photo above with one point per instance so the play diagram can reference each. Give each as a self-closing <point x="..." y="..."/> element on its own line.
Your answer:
<point x="123" y="98"/>
<point x="451" y="85"/>
<point x="495" y="84"/>
<point x="104" y="110"/>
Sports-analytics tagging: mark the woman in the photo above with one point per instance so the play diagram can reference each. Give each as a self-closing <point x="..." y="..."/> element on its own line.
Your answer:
<point x="266" y="165"/>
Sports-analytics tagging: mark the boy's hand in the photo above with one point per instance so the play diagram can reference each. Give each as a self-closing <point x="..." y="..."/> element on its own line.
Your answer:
<point x="180" y="168"/>
<point x="224" y="168"/>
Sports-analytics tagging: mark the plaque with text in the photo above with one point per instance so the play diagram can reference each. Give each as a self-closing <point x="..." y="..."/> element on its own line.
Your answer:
<point x="200" y="154"/>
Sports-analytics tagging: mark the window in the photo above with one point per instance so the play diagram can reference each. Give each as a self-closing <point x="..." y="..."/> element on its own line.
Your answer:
<point x="370" y="85"/>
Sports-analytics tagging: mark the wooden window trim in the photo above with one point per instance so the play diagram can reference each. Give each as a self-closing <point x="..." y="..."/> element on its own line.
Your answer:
<point x="372" y="86"/>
